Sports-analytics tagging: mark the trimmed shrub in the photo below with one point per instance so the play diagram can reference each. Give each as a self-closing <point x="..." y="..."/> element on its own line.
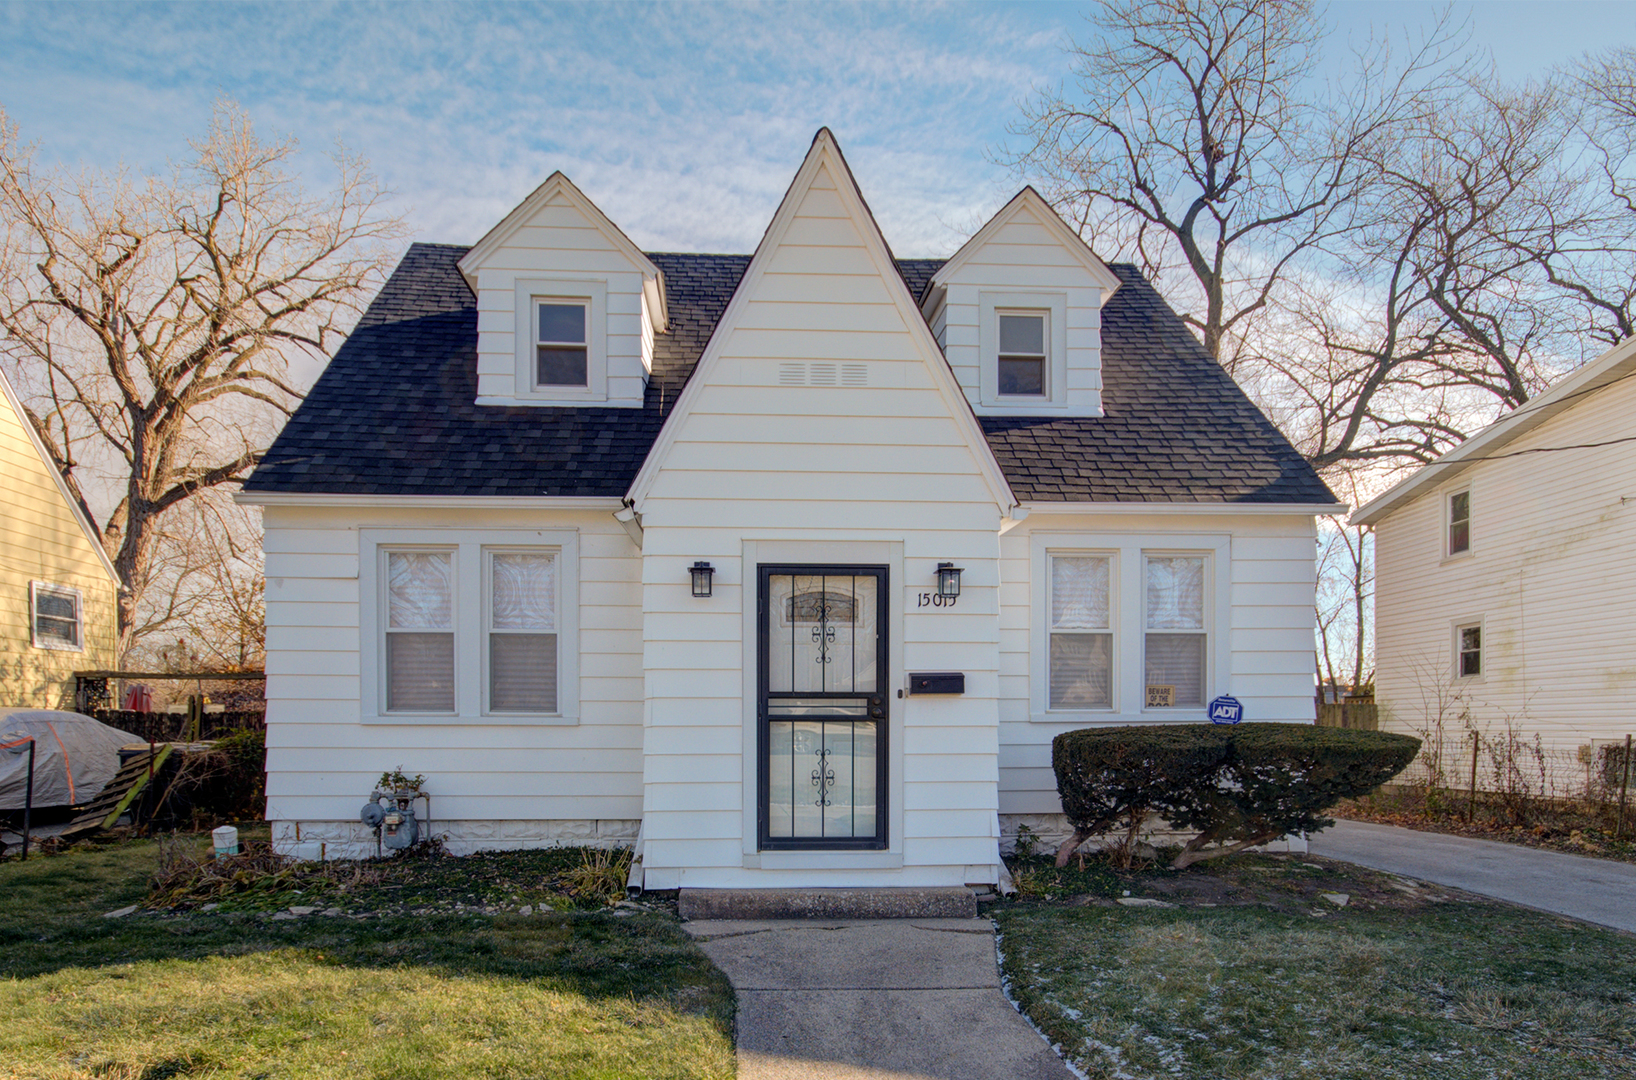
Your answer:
<point x="1118" y="775"/>
<point x="1239" y="785"/>
<point x="1279" y="778"/>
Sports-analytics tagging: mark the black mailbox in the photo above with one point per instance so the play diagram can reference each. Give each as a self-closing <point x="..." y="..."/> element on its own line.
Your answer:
<point x="937" y="682"/>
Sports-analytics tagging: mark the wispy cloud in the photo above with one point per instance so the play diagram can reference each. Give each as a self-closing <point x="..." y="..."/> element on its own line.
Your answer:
<point x="683" y="121"/>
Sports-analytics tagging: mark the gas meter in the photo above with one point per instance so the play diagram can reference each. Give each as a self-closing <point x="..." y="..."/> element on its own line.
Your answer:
<point x="392" y="815"/>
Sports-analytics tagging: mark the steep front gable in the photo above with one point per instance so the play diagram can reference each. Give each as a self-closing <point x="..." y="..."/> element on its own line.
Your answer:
<point x="568" y="305"/>
<point x="823" y="307"/>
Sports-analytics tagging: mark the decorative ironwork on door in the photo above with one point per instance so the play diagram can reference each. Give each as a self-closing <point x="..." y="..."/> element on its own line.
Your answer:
<point x="822" y="706"/>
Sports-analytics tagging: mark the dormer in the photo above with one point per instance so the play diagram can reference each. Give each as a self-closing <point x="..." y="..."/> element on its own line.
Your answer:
<point x="1017" y="311"/>
<point x="567" y="305"/>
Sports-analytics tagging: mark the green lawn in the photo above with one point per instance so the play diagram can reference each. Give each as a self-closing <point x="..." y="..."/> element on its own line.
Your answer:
<point x="1253" y="974"/>
<point x="451" y="993"/>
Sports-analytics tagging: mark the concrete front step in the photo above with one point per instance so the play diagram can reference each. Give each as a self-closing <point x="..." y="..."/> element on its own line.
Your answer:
<point x="944" y="903"/>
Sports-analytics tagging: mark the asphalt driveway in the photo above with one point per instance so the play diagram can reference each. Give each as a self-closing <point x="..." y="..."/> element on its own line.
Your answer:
<point x="1596" y="890"/>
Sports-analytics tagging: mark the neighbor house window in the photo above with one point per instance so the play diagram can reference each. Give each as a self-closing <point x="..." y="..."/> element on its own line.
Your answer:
<point x="1023" y="356"/>
<point x="522" y="632"/>
<point x="1459" y="522"/>
<point x="1081" y="632"/>
<point x="420" y="631"/>
<point x="55" y="614"/>
<point x="1176" y="642"/>
<point x="561" y="357"/>
<point x="1469" y="649"/>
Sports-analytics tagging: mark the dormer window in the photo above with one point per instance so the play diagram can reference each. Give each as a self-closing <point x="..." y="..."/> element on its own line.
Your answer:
<point x="562" y="342"/>
<point x="1023" y="356"/>
<point x="561" y="358"/>
<point x="1021" y="337"/>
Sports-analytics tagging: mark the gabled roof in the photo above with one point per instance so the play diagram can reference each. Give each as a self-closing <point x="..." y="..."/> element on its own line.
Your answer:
<point x="394" y="412"/>
<point x="1617" y="363"/>
<point x="824" y="156"/>
<point x="1033" y="203"/>
<point x="16" y="403"/>
<point x="556" y="185"/>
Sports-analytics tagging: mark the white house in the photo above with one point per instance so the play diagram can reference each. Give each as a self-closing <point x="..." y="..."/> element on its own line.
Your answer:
<point x="482" y="527"/>
<point x="1504" y="583"/>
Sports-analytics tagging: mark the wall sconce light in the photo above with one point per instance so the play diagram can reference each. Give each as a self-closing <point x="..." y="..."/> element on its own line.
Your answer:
<point x="948" y="579"/>
<point x="702" y="572"/>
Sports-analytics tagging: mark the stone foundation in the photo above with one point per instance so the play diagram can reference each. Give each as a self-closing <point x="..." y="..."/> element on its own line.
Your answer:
<point x="1048" y="831"/>
<point x="354" y="840"/>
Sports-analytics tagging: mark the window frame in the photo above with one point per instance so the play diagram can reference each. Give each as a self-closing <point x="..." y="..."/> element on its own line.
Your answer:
<point x="1054" y="307"/>
<point x="1449" y="522"/>
<point x="592" y="293"/>
<point x="1114" y="650"/>
<point x="1458" y="627"/>
<point x="471" y="550"/>
<point x="487" y="622"/>
<point x="38" y="588"/>
<point x="584" y="306"/>
<point x="1128" y="613"/>
<point x="1205" y="694"/>
<point x="1044" y="355"/>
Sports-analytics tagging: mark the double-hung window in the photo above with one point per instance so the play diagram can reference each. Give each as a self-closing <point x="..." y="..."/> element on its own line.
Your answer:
<point x="475" y="626"/>
<point x="1468" y="650"/>
<point x="1132" y="625"/>
<point x="55" y="617"/>
<point x="1081" y="631"/>
<point x="1023" y="357"/>
<point x="1176" y="642"/>
<point x="561" y="356"/>
<point x="522" y="631"/>
<point x="1459" y="527"/>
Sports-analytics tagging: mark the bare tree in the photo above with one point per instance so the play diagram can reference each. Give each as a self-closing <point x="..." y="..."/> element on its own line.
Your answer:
<point x="152" y="321"/>
<point x="1198" y="138"/>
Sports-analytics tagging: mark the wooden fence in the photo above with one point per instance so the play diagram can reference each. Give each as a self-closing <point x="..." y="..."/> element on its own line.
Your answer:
<point x="1359" y="715"/>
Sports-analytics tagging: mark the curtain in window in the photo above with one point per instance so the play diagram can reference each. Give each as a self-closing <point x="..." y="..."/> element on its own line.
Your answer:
<point x="1175" y="601"/>
<point x="419" y="636"/>
<point x="1081" y="664"/>
<point x="522" y="633"/>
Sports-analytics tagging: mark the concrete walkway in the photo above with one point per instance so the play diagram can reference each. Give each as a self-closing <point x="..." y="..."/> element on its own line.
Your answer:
<point x="1595" y="890"/>
<point x="886" y="999"/>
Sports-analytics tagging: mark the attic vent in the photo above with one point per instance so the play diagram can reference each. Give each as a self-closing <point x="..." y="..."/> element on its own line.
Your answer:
<point x="799" y="374"/>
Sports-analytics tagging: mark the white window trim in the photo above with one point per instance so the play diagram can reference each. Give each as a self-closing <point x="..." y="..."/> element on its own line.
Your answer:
<point x="1115" y="589"/>
<point x="37" y="587"/>
<point x="1481" y="625"/>
<point x="1148" y="554"/>
<point x="990" y="305"/>
<point x="1130" y="623"/>
<point x="593" y="293"/>
<point x="470" y="548"/>
<point x="1447" y="514"/>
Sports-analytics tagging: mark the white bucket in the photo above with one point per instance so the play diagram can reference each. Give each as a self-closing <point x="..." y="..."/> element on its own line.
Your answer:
<point x="227" y="841"/>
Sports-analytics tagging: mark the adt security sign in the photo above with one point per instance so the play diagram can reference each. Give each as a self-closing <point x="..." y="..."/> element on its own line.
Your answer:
<point x="1226" y="710"/>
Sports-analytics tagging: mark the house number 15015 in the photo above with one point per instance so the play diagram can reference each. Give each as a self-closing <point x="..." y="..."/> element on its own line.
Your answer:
<point x="936" y="600"/>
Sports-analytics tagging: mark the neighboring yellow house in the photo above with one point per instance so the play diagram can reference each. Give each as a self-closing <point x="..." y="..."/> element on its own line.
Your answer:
<point x="57" y="586"/>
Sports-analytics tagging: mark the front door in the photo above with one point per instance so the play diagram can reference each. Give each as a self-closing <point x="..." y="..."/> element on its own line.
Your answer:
<point x="821" y="709"/>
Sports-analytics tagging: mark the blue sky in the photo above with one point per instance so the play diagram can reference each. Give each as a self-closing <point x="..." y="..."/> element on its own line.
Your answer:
<point x="684" y="122"/>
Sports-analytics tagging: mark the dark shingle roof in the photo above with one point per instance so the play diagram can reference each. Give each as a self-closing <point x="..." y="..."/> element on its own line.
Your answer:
<point x="1175" y="427"/>
<point x="394" y="411"/>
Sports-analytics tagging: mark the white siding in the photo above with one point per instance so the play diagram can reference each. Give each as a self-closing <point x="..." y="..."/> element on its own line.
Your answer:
<point x="322" y="760"/>
<point x="1268" y="666"/>
<point x="561" y="242"/>
<point x="1549" y="576"/>
<point x="1025" y="256"/>
<point x="759" y="471"/>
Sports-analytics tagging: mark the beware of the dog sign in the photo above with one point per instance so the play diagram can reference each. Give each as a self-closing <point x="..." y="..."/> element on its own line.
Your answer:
<point x="1226" y="710"/>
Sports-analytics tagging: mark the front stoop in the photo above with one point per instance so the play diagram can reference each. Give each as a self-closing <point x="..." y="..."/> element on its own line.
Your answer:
<point x="941" y="903"/>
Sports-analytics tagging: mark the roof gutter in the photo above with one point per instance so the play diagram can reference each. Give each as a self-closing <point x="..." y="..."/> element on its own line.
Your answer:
<point x="1191" y="509"/>
<point x="610" y="503"/>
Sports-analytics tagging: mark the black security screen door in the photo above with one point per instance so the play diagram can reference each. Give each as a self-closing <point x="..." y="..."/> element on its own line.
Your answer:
<point x="821" y="708"/>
